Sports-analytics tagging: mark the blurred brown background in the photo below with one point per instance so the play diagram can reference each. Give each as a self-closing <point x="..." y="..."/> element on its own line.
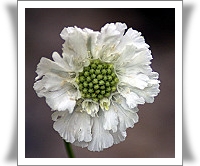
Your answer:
<point x="154" y="135"/>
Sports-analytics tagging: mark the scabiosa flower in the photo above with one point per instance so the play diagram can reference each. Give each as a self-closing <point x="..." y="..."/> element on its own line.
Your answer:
<point x="94" y="88"/>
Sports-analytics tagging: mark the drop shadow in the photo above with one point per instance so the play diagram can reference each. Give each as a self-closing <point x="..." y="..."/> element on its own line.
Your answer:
<point x="187" y="10"/>
<point x="12" y="12"/>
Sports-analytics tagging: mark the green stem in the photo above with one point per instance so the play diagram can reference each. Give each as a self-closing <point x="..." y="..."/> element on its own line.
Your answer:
<point x="69" y="149"/>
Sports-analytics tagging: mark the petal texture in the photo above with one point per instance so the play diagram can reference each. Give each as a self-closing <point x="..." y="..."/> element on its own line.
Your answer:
<point x="101" y="138"/>
<point x="127" y="117"/>
<point x="73" y="127"/>
<point x="110" y="120"/>
<point x="118" y="136"/>
<point x="132" y="37"/>
<point x="55" y="83"/>
<point x="46" y="66"/>
<point x="108" y="39"/>
<point x="78" y="47"/>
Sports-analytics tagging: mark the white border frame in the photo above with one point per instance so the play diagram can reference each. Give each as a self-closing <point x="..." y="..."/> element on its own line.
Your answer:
<point x="21" y="83"/>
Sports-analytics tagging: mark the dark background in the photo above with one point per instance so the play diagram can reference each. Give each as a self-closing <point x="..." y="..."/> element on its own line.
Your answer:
<point x="154" y="135"/>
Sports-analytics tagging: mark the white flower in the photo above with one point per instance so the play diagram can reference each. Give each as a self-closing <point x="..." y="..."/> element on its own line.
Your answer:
<point x="95" y="86"/>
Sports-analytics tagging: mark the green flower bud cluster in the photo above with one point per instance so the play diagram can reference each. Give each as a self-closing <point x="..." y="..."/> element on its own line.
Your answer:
<point x="98" y="80"/>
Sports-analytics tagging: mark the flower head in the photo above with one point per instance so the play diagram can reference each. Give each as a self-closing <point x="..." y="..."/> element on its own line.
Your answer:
<point x="94" y="88"/>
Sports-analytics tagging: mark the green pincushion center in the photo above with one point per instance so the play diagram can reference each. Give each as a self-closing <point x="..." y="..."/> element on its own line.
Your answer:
<point x="98" y="80"/>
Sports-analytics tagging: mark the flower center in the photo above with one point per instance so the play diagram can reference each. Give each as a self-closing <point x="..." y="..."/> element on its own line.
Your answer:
<point x="97" y="81"/>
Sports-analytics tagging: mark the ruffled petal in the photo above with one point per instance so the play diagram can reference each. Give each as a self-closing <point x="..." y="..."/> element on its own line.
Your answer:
<point x="64" y="64"/>
<point x="111" y="33"/>
<point x="101" y="138"/>
<point x="132" y="99"/>
<point x="46" y="66"/>
<point x="149" y="92"/>
<point x="49" y="82"/>
<point x="153" y="78"/>
<point x="134" y="72"/>
<point x="118" y="136"/>
<point x="132" y="57"/>
<point x="56" y="83"/>
<point x="73" y="127"/>
<point x="75" y="41"/>
<point x="91" y="42"/>
<point x="136" y="80"/>
<point x="81" y="144"/>
<point x="132" y="37"/>
<point x="60" y="95"/>
<point x="127" y="117"/>
<point x="134" y="68"/>
<point x="110" y="120"/>
<point x="75" y="47"/>
<point x="108" y="39"/>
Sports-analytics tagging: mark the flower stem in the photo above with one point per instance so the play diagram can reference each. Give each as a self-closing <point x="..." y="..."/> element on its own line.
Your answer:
<point x="69" y="149"/>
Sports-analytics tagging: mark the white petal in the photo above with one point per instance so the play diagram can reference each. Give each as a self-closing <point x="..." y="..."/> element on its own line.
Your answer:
<point x="65" y="32"/>
<point x="91" y="42"/>
<point x="149" y="92"/>
<point x="132" y="99"/>
<point x="73" y="127"/>
<point x="133" y="57"/>
<point x="127" y="117"/>
<point x="110" y="120"/>
<point x="136" y="80"/>
<point x="46" y="66"/>
<point x="58" y="114"/>
<point x="62" y="125"/>
<point x="134" y="68"/>
<point x="61" y="102"/>
<point x="49" y="82"/>
<point x="75" y="41"/>
<point x="153" y="78"/>
<point x="118" y="136"/>
<point x="101" y="138"/>
<point x="132" y="37"/>
<point x="111" y="33"/>
<point x="126" y="55"/>
<point x="141" y="57"/>
<point x="60" y="95"/>
<point x="75" y="47"/>
<point x="108" y="39"/>
<point x="65" y="64"/>
<point x="81" y="144"/>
